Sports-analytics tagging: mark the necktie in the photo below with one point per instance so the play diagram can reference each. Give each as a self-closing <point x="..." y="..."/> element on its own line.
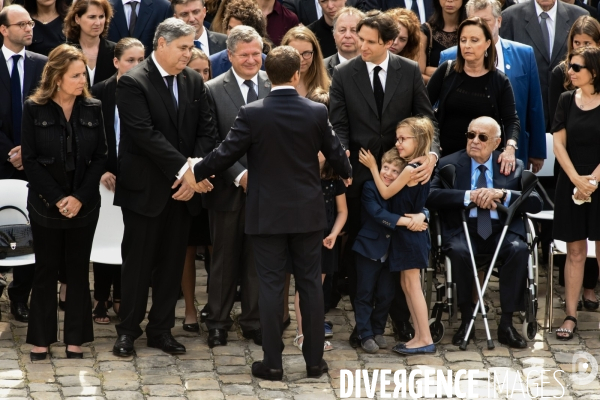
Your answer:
<point x="169" y="79"/>
<point x="252" y="96"/>
<point x="545" y="33"/>
<point x="133" y="18"/>
<point x="415" y="8"/>
<point x="16" y="99"/>
<point x="378" y="90"/>
<point x="484" y="221"/>
<point x="198" y="45"/>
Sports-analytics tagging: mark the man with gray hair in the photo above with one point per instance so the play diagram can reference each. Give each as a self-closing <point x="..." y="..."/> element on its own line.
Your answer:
<point x="232" y="258"/>
<point x="345" y="37"/>
<point x="165" y="118"/>
<point x="517" y="61"/>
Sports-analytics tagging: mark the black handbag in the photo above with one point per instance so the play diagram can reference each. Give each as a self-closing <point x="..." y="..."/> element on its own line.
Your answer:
<point x="15" y="240"/>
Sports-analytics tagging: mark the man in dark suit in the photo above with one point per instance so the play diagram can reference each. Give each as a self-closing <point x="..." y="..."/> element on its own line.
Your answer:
<point x="168" y="119"/>
<point x="20" y="73"/>
<point x="147" y="14"/>
<point x="422" y="8"/>
<point x="392" y="94"/>
<point x="548" y="35"/>
<point x="323" y="27"/>
<point x="478" y="180"/>
<point x="232" y="258"/>
<point x="308" y="11"/>
<point x="285" y="211"/>
<point x="346" y="39"/>
<point x="193" y="12"/>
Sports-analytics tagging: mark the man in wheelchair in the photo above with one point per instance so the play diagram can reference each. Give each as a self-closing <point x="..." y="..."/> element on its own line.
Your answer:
<point x="478" y="180"/>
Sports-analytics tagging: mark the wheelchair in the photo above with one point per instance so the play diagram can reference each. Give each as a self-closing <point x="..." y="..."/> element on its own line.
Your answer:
<point x="446" y="290"/>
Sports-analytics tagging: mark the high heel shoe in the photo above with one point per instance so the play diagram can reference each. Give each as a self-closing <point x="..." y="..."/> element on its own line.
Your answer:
<point x="38" y="356"/>
<point x="73" y="354"/>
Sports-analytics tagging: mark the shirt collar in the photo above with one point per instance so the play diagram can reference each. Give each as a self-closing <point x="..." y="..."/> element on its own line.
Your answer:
<point x="138" y="1"/>
<point x="488" y="164"/>
<point x="383" y="65"/>
<point x="342" y="58"/>
<point x="8" y="53"/>
<point x="274" y="88"/>
<point x="163" y="73"/>
<point x="203" y="37"/>
<point x="551" y="12"/>
<point x="277" y="8"/>
<point x="241" y="80"/>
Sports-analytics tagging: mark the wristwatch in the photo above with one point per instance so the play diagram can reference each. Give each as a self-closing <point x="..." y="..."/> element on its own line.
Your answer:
<point x="512" y="143"/>
<point x="504" y="194"/>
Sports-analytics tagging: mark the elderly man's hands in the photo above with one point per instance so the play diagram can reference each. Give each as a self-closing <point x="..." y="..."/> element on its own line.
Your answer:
<point x="486" y="198"/>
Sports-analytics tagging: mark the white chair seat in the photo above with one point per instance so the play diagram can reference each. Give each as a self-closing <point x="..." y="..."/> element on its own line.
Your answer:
<point x="546" y="215"/>
<point x="106" y="248"/>
<point x="13" y="192"/>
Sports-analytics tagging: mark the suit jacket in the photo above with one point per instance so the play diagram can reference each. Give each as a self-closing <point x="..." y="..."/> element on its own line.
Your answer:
<point x="353" y="111"/>
<point x="330" y="63"/>
<point x="452" y="200"/>
<point x="105" y="68"/>
<point x="156" y="139"/>
<point x="105" y="91"/>
<point x="150" y="14"/>
<point x="377" y="224"/>
<point x="33" y="66"/>
<point x="520" y="23"/>
<point x="306" y="10"/>
<point x="225" y="99"/>
<point x="384" y="5"/>
<point x="219" y="63"/>
<point x="216" y="42"/>
<point x="284" y="193"/>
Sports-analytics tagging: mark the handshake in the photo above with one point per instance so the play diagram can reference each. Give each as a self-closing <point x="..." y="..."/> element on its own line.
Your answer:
<point x="188" y="185"/>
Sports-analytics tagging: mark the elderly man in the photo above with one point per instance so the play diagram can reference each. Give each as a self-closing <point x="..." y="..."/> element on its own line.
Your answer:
<point x="345" y="36"/>
<point x="478" y="180"/>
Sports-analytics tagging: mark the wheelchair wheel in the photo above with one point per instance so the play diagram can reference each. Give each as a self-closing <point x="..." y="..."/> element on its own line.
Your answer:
<point x="530" y="325"/>
<point x="437" y="330"/>
<point x="529" y="330"/>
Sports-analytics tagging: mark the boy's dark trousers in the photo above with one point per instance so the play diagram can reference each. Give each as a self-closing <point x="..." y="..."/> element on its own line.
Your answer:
<point x="374" y="295"/>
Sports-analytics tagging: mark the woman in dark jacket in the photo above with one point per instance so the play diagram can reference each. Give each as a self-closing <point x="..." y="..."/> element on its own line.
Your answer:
<point x="86" y="26"/>
<point x="64" y="155"/>
<point x="472" y="87"/>
<point x="48" y="17"/>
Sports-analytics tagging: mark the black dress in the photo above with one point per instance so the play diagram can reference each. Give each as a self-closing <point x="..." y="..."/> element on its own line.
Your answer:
<point x="331" y="189"/>
<point x="441" y="41"/>
<point x="47" y="36"/>
<point x="577" y="222"/>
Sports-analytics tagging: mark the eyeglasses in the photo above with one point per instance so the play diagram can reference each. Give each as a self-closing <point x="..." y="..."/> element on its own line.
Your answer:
<point x="23" y="24"/>
<point x="402" y="139"/>
<point x="576" y="67"/>
<point x="482" y="136"/>
<point x="307" y="55"/>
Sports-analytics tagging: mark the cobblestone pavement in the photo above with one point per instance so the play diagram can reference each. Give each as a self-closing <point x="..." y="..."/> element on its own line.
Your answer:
<point x="224" y="372"/>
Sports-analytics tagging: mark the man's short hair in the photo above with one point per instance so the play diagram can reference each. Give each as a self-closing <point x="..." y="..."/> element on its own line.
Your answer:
<point x="281" y="64"/>
<point x="489" y="121"/>
<point x="478" y="5"/>
<point x="382" y="23"/>
<point x="347" y="11"/>
<point x="4" y="13"/>
<point x="172" y="29"/>
<point x="183" y="2"/>
<point x="242" y="33"/>
<point x="392" y="157"/>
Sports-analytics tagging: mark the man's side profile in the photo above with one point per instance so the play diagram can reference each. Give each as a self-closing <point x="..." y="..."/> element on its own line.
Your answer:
<point x="284" y="205"/>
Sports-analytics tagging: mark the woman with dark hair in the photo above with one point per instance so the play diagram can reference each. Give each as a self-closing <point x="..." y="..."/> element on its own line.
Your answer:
<point x="86" y="26"/>
<point x="440" y="33"/>
<point x="577" y="149"/>
<point x="408" y="42"/>
<point x="472" y="87"/>
<point x="129" y="52"/>
<point x="64" y="154"/>
<point x="48" y="16"/>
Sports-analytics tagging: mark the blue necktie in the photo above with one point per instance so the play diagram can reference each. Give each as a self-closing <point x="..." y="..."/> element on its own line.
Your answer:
<point x="16" y="99"/>
<point x="484" y="220"/>
<point x="198" y="44"/>
<point x="415" y="8"/>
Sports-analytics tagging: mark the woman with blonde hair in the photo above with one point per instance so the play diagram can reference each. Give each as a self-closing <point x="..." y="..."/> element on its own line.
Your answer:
<point x="409" y="39"/>
<point x="313" y="74"/>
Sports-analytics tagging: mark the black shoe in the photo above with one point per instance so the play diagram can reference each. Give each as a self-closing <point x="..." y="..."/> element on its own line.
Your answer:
<point x="217" y="337"/>
<point x="38" y="356"/>
<point x="460" y="335"/>
<point x="354" y="339"/>
<point x="20" y="311"/>
<point x="73" y="354"/>
<point x="590" y="305"/>
<point x="510" y="337"/>
<point x="317" y="370"/>
<point x="195" y="327"/>
<point x="255" y="335"/>
<point x="404" y="330"/>
<point x="261" y="371"/>
<point x="124" y="346"/>
<point x="167" y="343"/>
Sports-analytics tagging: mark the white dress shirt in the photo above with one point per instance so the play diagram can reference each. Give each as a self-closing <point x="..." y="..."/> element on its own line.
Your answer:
<point x="117" y="128"/>
<point x="550" y="21"/>
<point x="342" y="58"/>
<point x="420" y="6"/>
<point x="91" y="74"/>
<point x="20" y="65"/>
<point x="500" y="54"/>
<point x="382" y="73"/>
<point x="127" y="9"/>
<point x="203" y="39"/>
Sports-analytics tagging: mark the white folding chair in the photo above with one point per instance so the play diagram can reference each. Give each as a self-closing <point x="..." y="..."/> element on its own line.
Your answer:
<point x="106" y="248"/>
<point x="548" y="168"/>
<point x="13" y="192"/>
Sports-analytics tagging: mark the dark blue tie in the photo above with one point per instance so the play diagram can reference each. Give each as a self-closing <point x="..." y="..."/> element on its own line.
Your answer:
<point x="198" y="44"/>
<point x="415" y="8"/>
<point x="484" y="220"/>
<point x="169" y="79"/>
<point x="16" y="99"/>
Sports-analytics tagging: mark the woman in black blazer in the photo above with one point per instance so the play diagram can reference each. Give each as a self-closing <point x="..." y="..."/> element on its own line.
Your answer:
<point x="472" y="87"/>
<point x="129" y="52"/>
<point x="64" y="155"/>
<point x="86" y="26"/>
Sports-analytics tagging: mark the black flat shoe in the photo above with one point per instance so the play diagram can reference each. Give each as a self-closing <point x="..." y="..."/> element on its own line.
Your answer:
<point x="20" y="311"/>
<point x="460" y="335"/>
<point x="167" y="343"/>
<point x="195" y="327"/>
<point x="569" y="332"/>
<point x="590" y="305"/>
<point x="510" y="337"/>
<point x="38" y="356"/>
<point x="317" y="370"/>
<point x="255" y="335"/>
<point x="124" y="346"/>
<point x="217" y="337"/>
<point x="261" y="371"/>
<point x="73" y="354"/>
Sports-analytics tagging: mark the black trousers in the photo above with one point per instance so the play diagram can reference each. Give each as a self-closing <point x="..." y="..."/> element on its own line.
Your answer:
<point x="513" y="273"/>
<point x="153" y="250"/>
<point x="105" y="276"/>
<point x="232" y="262"/>
<point x="271" y="254"/>
<point x="72" y="248"/>
<point x="20" y="287"/>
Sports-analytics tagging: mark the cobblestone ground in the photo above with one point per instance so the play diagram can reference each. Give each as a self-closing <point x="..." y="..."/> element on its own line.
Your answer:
<point x="224" y="372"/>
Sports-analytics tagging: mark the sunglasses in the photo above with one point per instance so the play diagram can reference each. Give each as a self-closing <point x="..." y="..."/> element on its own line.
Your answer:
<point x="472" y="135"/>
<point x="576" y="67"/>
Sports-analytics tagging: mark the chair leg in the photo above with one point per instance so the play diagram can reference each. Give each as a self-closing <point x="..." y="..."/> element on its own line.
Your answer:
<point x="548" y="315"/>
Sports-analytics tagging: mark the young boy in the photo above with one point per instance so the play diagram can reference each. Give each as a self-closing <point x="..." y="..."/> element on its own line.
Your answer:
<point x="375" y="282"/>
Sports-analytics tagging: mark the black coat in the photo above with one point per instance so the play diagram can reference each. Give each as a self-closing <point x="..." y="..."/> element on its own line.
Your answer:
<point x="44" y="158"/>
<point x="105" y="68"/>
<point x="105" y="91"/>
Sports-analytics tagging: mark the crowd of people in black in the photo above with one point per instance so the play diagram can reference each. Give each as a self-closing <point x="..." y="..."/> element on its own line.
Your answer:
<point x="301" y="138"/>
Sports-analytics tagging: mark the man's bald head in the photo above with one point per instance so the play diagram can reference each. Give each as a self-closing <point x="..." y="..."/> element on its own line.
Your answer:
<point x="487" y="138"/>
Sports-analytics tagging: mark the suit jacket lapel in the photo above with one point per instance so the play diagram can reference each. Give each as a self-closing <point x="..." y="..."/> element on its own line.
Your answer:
<point x="264" y="87"/>
<point x="233" y="90"/>
<point x="161" y="87"/>
<point x="146" y="9"/>
<point x="463" y="172"/>
<point x="4" y="74"/>
<point x="561" y="31"/>
<point x="182" y="93"/>
<point x="534" y="30"/>
<point x="394" y="74"/>
<point x="120" y="20"/>
<point x="361" y="78"/>
<point x="211" y="42"/>
<point x="499" y="178"/>
<point x="29" y="68"/>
